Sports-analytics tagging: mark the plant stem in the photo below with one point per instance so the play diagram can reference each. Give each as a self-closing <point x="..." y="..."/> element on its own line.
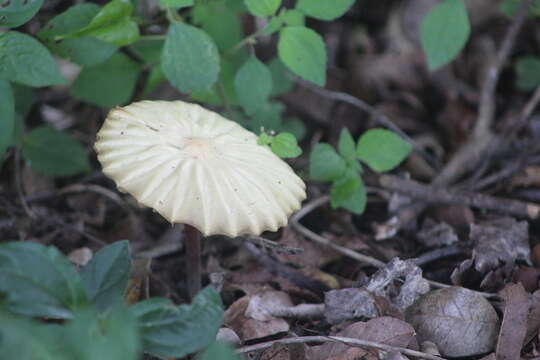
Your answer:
<point x="192" y="241"/>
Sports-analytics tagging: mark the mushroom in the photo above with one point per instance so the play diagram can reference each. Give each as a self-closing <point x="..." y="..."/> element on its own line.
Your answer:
<point x="199" y="169"/>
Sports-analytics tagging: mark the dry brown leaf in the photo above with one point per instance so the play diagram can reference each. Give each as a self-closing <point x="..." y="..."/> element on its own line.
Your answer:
<point x="514" y="324"/>
<point x="435" y="234"/>
<point x="461" y="322"/>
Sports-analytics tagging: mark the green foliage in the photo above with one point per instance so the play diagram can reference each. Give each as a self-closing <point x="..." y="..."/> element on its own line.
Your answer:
<point x="324" y="9"/>
<point x="14" y="13"/>
<point x="528" y="72"/>
<point x="380" y="149"/>
<point x="262" y="7"/>
<point x="197" y="54"/>
<point x="7" y="125"/>
<point x="283" y="145"/>
<point x="302" y="50"/>
<point x="177" y="4"/>
<point x="39" y="282"/>
<point x="511" y="7"/>
<point x="253" y="83"/>
<point x="53" y="152"/>
<point x="26" y="61"/>
<point x="107" y="84"/>
<point x="444" y="32"/>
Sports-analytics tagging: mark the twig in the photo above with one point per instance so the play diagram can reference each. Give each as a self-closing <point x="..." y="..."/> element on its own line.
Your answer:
<point x="277" y="247"/>
<point x="430" y="194"/>
<point x="338" y="339"/>
<point x="18" y="185"/>
<point x="301" y="311"/>
<point x="437" y="254"/>
<point x="295" y="223"/>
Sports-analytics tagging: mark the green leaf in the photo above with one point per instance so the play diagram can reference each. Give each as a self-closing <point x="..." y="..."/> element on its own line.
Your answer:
<point x="54" y="152"/>
<point x="7" y="124"/>
<point x="285" y="145"/>
<point x="269" y="117"/>
<point x="349" y="192"/>
<point x="528" y="72"/>
<point x="155" y="77"/>
<point x="382" y="150"/>
<point x="85" y="51"/>
<point x="281" y="77"/>
<point x="108" y="84"/>
<point x="177" y="4"/>
<point x="325" y="164"/>
<point x="251" y="97"/>
<point x="273" y="25"/>
<point x="169" y="331"/>
<point x="220" y="22"/>
<point x="302" y="50"/>
<point x="190" y="59"/>
<point x="293" y="17"/>
<point x="347" y="146"/>
<point x="295" y="126"/>
<point x="511" y="7"/>
<point x="39" y="281"/>
<point x="324" y="9"/>
<point x="148" y="50"/>
<point x="263" y="7"/>
<point x="264" y="139"/>
<point x="14" y="13"/>
<point x="26" y="61"/>
<point x="218" y="351"/>
<point x="113" y="12"/>
<point x="444" y="32"/>
<point x="106" y="276"/>
<point x="70" y="21"/>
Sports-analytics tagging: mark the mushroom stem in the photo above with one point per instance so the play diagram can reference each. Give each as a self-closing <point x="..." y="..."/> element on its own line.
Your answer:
<point x="192" y="241"/>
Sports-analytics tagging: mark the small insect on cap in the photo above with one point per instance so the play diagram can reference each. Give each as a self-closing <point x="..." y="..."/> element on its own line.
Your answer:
<point x="195" y="167"/>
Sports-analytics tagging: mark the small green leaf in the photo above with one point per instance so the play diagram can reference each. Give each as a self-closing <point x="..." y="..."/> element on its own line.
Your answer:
<point x="253" y="83"/>
<point x="70" y="21"/>
<point x="85" y="51"/>
<point x="113" y="12"/>
<point x="382" y="150"/>
<point x="269" y="117"/>
<point x="190" y="58"/>
<point x="106" y="276"/>
<point x="511" y="7"/>
<point x="303" y="51"/>
<point x="324" y="9"/>
<point x="148" y="50"/>
<point x="347" y="146"/>
<point x="218" y="351"/>
<point x="264" y="139"/>
<point x="349" y="192"/>
<point x="14" y="13"/>
<point x="54" y="152"/>
<point x="293" y="17"/>
<point x="220" y="22"/>
<point x="325" y="164"/>
<point x="7" y="124"/>
<point x="169" y="331"/>
<point x="107" y="84"/>
<point x="39" y="281"/>
<point x="281" y="77"/>
<point x="295" y="126"/>
<point x="444" y="32"/>
<point x="24" y="60"/>
<point x="528" y="72"/>
<point x="263" y="7"/>
<point x="285" y="145"/>
<point x="177" y="4"/>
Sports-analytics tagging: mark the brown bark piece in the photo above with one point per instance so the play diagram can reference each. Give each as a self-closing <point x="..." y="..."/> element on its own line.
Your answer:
<point x="514" y="324"/>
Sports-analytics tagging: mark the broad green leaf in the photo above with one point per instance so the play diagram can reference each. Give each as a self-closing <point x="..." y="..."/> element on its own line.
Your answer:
<point x="349" y="192"/>
<point x="220" y="22"/>
<point x="148" y="50"/>
<point x="190" y="59"/>
<point x="177" y="4"/>
<point x="264" y="139"/>
<point x="285" y="145"/>
<point x="26" y="61"/>
<point x="107" y="84"/>
<point x="253" y="83"/>
<point x="85" y="51"/>
<point x="281" y="77"/>
<point x="70" y="21"/>
<point x="7" y="122"/>
<point x="325" y="164"/>
<point x="14" y="13"/>
<point x="303" y="51"/>
<point x="268" y="117"/>
<point x="23" y="96"/>
<point x="218" y="351"/>
<point x="238" y="6"/>
<point x="324" y="9"/>
<point x="39" y="281"/>
<point x="382" y="150"/>
<point x="170" y="331"/>
<point x="262" y="7"/>
<point x="113" y="12"/>
<point x="293" y="17"/>
<point x="273" y="25"/>
<point x="53" y="152"/>
<point x="528" y="72"/>
<point x="347" y="146"/>
<point x="511" y="7"/>
<point x="295" y="126"/>
<point x="106" y="276"/>
<point x="444" y="32"/>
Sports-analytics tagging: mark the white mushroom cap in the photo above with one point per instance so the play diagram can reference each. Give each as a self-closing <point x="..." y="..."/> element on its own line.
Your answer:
<point x="195" y="167"/>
